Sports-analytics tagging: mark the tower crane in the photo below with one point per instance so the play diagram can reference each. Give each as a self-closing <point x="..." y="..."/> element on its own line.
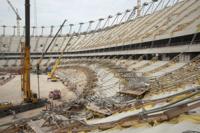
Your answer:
<point x="30" y="99"/>
<point x="18" y="18"/>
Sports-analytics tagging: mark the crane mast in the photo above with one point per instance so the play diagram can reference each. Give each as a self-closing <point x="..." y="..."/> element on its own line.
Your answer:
<point x="28" y="96"/>
<point x="30" y="99"/>
<point x="18" y="18"/>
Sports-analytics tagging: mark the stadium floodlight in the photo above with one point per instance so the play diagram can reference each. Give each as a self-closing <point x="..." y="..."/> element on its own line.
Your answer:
<point x="91" y="21"/>
<point x="119" y="13"/>
<point x="89" y="26"/>
<point x="42" y="30"/>
<point x="98" y="24"/>
<point x="33" y="32"/>
<point x="145" y="4"/>
<point x="51" y="30"/>
<point x="110" y="16"/>
<point x="80" y="27"/>
<point x="14" y="27"/>
<point x="4" y="29"/>
<point x="70" y="28"/>
<point x="33" y="27"/>
<point x="154" y="0"/>
<point x="101" y="19"/>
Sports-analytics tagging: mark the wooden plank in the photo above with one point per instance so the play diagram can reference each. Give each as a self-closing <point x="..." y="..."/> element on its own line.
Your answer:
<point x="92" y="107"/>
<point x="137" y="92"/>
<point x="35" y="127"/>
<point x="166" y="115"/>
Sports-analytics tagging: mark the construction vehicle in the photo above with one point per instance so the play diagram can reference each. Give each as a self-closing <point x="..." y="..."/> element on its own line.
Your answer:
<point x="30" y="99"/>
<point x="29" y="96"/>
<point x="51" y="75"/>
<point x="43" y="54"/>
<point x="5" y="105"/>
<point x="55" y="94"/>
<point x="54" y="79"/>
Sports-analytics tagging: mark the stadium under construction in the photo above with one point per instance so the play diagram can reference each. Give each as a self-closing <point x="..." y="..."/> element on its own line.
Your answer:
<point x="136" y="71"/>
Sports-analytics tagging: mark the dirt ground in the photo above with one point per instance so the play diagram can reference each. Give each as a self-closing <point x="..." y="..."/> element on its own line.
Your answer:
<point x="11" y="91"/>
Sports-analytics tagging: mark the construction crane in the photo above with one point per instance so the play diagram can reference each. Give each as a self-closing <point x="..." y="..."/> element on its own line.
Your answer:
<point x="18" y="18"/>
<point x="43" y="54"/>
<point x="30" y="99"/>
<point x="51" y="75"/>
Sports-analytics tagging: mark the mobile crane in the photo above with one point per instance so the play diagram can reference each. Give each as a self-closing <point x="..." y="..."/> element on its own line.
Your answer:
<point x="43" y="54"/>
<point x="51" y="75"/>
<point x="30" y="99"/>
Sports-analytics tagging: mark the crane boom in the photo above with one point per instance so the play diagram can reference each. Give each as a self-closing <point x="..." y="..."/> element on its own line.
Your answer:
<point x="43" y="53"/>
<point x="17" y="17"/>
<point x="57" y="62"/>
<point x="14" y="10"/>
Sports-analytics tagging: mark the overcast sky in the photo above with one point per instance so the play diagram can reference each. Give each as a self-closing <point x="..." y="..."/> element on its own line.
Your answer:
<point x="53" y="12"/>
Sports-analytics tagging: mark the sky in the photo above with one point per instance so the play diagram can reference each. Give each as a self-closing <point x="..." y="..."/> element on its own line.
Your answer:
<point x="53" y="12"/>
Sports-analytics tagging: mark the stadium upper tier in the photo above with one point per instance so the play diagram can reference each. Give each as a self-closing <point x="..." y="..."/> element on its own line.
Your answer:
<point x="180" y="19"/>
